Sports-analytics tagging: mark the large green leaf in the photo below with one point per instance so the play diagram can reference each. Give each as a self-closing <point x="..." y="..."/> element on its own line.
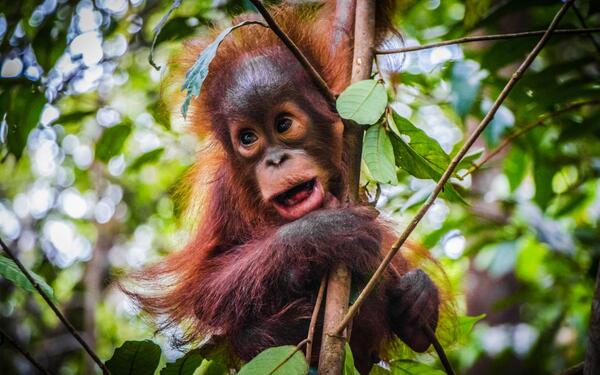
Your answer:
<point x="419" y="155"/>
<point x="427" y="147"/>
<point x="273" y="358"/>
<point x="363" y="102"/>
<point x="194" y="78"/>
<point x="410" y="367"/>
<point x="111" y="142"/>
<point x="542" y="176"/>
<point x="22" y="107"/>
<point x="465" y="326"/>
<point x="349" y="368"/>
<point x="135" y="358"/>
<point x="378" y="154"/>
<point x="185" y="365"/>
<point x="148" y="157"/>
<point x="10" y="271"/>
<point x="515" y="167"/>
<point x="474" y="11"/>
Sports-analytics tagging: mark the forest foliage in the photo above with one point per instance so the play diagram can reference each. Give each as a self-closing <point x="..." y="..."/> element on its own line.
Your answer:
<point x="93" y="150"/>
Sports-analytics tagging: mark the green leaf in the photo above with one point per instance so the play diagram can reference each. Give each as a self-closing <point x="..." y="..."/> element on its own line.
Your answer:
<point x="419" y="155"/>
<point x="271" y="358"/>
<point x="10" y="271"/>
<point x="185" y="365"/>
<point x="349" y="368"/>
<point x="212" y="367"/>
<point x="469" y="159"/>
<point x="148" y="157"/>
<point x="427" y="147"/>
<point x="515" y="167"/>
<point x="474" y="11"/>
<point x="22" y="107"/>
<point x="465" y="326"/>
<point x="195" y="76"/>
<point x="378" y="370"/>
<point x="410" y="367"/>
<point x="135" y="357"/>
<point x="379" y="155"/>
<point x="111" y="142"/>
<point x="542" y="176"/>
<point x="363" y="102"/>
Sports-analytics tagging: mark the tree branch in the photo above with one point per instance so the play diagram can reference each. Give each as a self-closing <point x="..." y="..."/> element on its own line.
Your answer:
<point x="483" y="38"/>
<point x="541" y="121"/>
<point x="289" y="356"/>
<point x="338" y="286"/>
<point x="24" y="352"/>
<point x="316" y="77"/>
<point x="591" y="365"/>
<point x="451" y="167"/>
<point x="314" y="318"/>
<point x="55" y="309"/>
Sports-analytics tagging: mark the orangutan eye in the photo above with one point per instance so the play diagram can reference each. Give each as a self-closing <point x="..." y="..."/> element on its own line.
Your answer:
<point x="283" y="124"/>
<point x="247" y="137"/>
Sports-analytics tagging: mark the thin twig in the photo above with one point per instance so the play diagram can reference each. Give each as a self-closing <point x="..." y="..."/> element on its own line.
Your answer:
<point x="55" y="309"/>
<point x="314" y="74"/>
<point x="451" y="167"/>
<point x="289" y="356"/>
<point x="510" y="138"/>
<point x="438" y="349"/>
<point x="314" y="318"/>
<point x="24" y="352"/>
<point x="584" y="24"/>
<point x="482" y="38"/>
<point x="176" y="4"/>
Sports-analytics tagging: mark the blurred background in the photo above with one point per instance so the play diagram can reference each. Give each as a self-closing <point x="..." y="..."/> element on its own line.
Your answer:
<point x="90" y="159"/>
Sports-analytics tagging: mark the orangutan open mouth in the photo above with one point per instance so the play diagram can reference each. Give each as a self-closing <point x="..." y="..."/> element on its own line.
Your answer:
<point x="300" y="199"/>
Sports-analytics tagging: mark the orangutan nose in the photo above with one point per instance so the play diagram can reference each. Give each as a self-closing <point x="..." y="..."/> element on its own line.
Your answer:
<point x="276" y="157"/>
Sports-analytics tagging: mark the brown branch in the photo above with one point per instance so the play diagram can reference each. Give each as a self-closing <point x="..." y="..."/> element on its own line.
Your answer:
<point x="314" y="318"/>
<point x="55" y="309"/>
<point x="314" y="74"/>
<point x="510" y="138"/>
<point x="289" y="356"/>
<point x="575" y="370"/>
<point x="451" y="167"/>
<point x="336" y="305"/>
<point x="483" y="38"/>
<point x="338" y="286"/>
<point x="23" y="352"/>
<point x="591" y="364"/>
<point x="438" y="349"/>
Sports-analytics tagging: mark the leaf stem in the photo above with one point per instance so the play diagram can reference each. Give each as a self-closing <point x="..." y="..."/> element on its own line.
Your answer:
<point x="55" y="309"/>
<point x="451" y="167"/>
<point x="482" y="38"/>
<point x="289" y="356"/>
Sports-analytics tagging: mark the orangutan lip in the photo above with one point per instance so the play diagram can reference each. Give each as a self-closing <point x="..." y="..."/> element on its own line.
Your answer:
<point x="299" y="200"/>
<point x="296" y="194"/>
